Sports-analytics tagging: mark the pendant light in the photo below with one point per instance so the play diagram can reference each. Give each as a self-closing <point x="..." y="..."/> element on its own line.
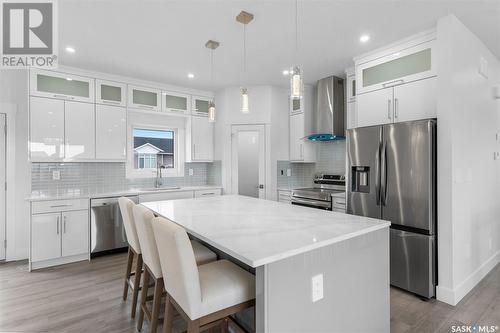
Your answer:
<point x="212" y="45"/>
<point x="244" y="18"/>
<point x="296" y="75"/>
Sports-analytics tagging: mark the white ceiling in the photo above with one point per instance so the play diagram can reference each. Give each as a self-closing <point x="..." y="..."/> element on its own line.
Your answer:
<point x="164" y="40"/>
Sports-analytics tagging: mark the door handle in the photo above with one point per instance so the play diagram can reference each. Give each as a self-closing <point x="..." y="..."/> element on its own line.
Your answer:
<point x="389" y="109"/>
<point x="377" y="174"/>
<point x="57" y="225"/>
<point x="392" y="83"/>
<point x="396" y="108"/>
<point x="260" y="186"/>
<point x="383" y="175"/>
<point x="64" y="224"/>
<point x="301" y="151"/>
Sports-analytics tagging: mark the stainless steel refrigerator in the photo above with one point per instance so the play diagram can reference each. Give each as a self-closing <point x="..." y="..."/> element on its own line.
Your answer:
<point x="392" y="176"/>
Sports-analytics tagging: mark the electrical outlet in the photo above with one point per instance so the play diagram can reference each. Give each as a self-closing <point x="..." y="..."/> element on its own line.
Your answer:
<point x="191" y="172"/>
<point x="317" y="287"/>
<point x="288" y="172"/>
<point x="56" y="175"/>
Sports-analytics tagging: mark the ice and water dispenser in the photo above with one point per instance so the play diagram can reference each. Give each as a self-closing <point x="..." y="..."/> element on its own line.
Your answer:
<point x="360" y="179"/>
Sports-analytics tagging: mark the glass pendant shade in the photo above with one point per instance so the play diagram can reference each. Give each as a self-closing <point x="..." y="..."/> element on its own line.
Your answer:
<point x="244" y="100"/>
<point x="296" y="83"/>
<point x="211" y="112"/>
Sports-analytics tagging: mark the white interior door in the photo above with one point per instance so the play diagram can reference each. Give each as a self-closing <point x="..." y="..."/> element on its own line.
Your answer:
<point x="3" y="160"/>
<point x="248" y="160"/>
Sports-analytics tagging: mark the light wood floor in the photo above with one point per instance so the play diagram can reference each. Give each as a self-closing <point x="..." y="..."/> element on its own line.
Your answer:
<point x="86" y="297"/>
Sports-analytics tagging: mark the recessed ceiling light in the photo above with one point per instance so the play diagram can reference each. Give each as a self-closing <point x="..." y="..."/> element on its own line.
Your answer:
<point x="191" y="75"/>
<point x="364" y="38"/>
<point x="70" y="49"/>
<point x="286" y="72"/>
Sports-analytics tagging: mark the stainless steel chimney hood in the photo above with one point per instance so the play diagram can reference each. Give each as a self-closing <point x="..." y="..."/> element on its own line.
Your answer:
<point x="329" y="111"/>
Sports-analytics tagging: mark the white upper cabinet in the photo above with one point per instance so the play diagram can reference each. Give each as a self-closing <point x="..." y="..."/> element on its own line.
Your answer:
<point x="351" y="88"/>
<point x="351" y="108"/>
<point x="176" y="103"/>
<point x="62" y="86"/>
<point x="375" y="108"/>
<point x="417" y="100"/>
<point x="199" y="140"/>
<point x="301" y="149"/>
<point x="79" y="126"/>
<point x="144" y="98"/>
<point x="46" y="129"/>
<point x="409" y="62"/>
<point x="111" y="132"/>
<point x="110" y="93"/>
<point x="200" y="105"/>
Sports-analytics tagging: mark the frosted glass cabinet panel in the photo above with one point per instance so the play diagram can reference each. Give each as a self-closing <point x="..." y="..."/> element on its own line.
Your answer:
<point x="144" y="98"/>
<point x="46" y="129"/>
<point x="200" y="105"/>
<point x="398" y="67"/>
<point x="61" y="86"/>
<point x="295" y="105"/>
<point x="176" y="102"/>
<point x="111" y="93"/>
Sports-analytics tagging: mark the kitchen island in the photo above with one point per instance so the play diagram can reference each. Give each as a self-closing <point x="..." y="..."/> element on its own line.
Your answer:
<point x="316" y="271"/>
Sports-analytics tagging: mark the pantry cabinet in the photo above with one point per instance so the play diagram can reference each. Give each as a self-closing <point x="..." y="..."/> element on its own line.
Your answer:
<point x="59" y="232"/>
<point x="110" y="93"/>
<point x="199" y="140"/>
<point x="111" y="132"/>
<point x="61" y="86"/>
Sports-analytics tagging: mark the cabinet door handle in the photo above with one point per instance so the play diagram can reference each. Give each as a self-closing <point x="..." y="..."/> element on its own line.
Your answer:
<point x="301" y="151"/>
<point x="392" y="83"/>
<point x="396" y="108"/>
<point x="63" y="96"/>
<point x="211" y="193"/>
<point x="194" y="150"/>
<point x="57" y="225"/>
<point x="389" y="109"/>
<point x="111" y="102"/>
<point x="64" y="224"/>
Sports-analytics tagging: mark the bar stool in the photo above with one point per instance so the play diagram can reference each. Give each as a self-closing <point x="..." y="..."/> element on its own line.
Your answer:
<point x="152" y="270"/>
<point x="134" y="250"/>
<point x="205" y="296"/>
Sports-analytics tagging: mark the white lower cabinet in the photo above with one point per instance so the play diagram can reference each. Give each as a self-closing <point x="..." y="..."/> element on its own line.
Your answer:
<point x="59" y="235"/>
<point x="111" y="132"/>
<point x="285" y="196"/>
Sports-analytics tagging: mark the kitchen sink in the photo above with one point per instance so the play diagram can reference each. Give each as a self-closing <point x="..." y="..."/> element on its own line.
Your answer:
<point x="155" y="189"/>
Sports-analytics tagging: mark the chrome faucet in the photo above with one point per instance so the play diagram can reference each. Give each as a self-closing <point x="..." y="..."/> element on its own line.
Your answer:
<point x="158" y="180"/>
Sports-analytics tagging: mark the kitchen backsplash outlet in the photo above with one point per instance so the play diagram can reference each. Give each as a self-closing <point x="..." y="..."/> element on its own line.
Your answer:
<point x="95" y="178"/>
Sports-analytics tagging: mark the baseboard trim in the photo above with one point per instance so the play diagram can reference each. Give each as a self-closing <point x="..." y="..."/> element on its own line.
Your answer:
<point x="58" y="261"/>
<point x="453" y="296"/>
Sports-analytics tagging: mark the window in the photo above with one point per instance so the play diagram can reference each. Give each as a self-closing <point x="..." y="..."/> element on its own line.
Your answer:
<point x="153" y="148"/>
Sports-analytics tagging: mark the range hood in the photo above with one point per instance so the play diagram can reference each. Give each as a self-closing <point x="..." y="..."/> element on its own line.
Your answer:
<point x="329" y="110"/>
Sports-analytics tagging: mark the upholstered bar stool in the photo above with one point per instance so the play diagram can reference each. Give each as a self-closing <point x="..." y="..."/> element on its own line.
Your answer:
<point x="203" y="295"/>
<point x="134" y="250"/>
<point x="152" y="270"/>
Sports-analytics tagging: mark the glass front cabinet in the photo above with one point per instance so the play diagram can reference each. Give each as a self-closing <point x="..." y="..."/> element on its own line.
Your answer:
<point x="200" y="105"/>
<point x="110" y="93"/>
<point x="399" y="66"/>
<point x="144" y="98"/>
<point x="61" y="86"/>
<point x="176" y="103"/>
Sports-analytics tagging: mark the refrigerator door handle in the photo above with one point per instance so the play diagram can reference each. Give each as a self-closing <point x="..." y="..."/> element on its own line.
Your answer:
<point x="377" y="175"/>
<point x="383" y="175"/>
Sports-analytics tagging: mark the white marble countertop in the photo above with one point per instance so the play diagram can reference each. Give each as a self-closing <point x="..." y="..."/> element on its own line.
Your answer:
<point x="132" y="191"/>
<point x="259" y="232"/>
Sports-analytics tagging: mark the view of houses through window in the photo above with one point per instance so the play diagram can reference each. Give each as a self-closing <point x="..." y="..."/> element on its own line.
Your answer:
<point x="153" y="148"/>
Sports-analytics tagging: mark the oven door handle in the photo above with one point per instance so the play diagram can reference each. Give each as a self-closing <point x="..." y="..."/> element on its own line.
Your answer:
<point x="311" y="203"/>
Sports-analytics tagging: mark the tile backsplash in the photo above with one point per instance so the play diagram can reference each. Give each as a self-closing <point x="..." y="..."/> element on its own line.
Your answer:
<point x="94" y="178"/>
<point x="330" y="159"/>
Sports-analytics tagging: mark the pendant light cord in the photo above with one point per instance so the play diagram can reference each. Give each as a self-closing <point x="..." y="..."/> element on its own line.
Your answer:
<point x="296" y="26"/>
<point x="244" y="49"/>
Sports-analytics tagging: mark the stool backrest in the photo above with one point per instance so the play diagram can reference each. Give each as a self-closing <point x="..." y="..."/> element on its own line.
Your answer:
<point x="143" y="222"/>
<point x="126" y="206"/>
<point x="178" y="265"/>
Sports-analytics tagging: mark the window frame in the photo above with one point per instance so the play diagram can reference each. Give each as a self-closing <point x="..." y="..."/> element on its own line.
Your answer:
<point x="179" y="158"/>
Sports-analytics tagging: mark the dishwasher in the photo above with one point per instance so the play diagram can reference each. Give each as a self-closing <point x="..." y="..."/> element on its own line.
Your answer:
<point x="106" y="226"/>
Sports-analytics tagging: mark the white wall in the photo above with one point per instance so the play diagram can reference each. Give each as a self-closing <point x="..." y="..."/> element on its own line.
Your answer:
<point x="268" y="106"/>
<point x="468" y="175"/>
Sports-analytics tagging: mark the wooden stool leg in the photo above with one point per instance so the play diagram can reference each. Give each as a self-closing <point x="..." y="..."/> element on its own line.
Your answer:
<point x="156" y="305"/>
<point x="193" y="326"/>
<point x="169" y="316"/>
<point x="138" y="271"/>
<point x="130" y="258"/>
<point x="144" y="296"/>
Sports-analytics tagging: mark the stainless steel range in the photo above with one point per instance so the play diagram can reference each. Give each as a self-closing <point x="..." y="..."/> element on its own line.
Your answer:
<point x="320" y="196"/>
